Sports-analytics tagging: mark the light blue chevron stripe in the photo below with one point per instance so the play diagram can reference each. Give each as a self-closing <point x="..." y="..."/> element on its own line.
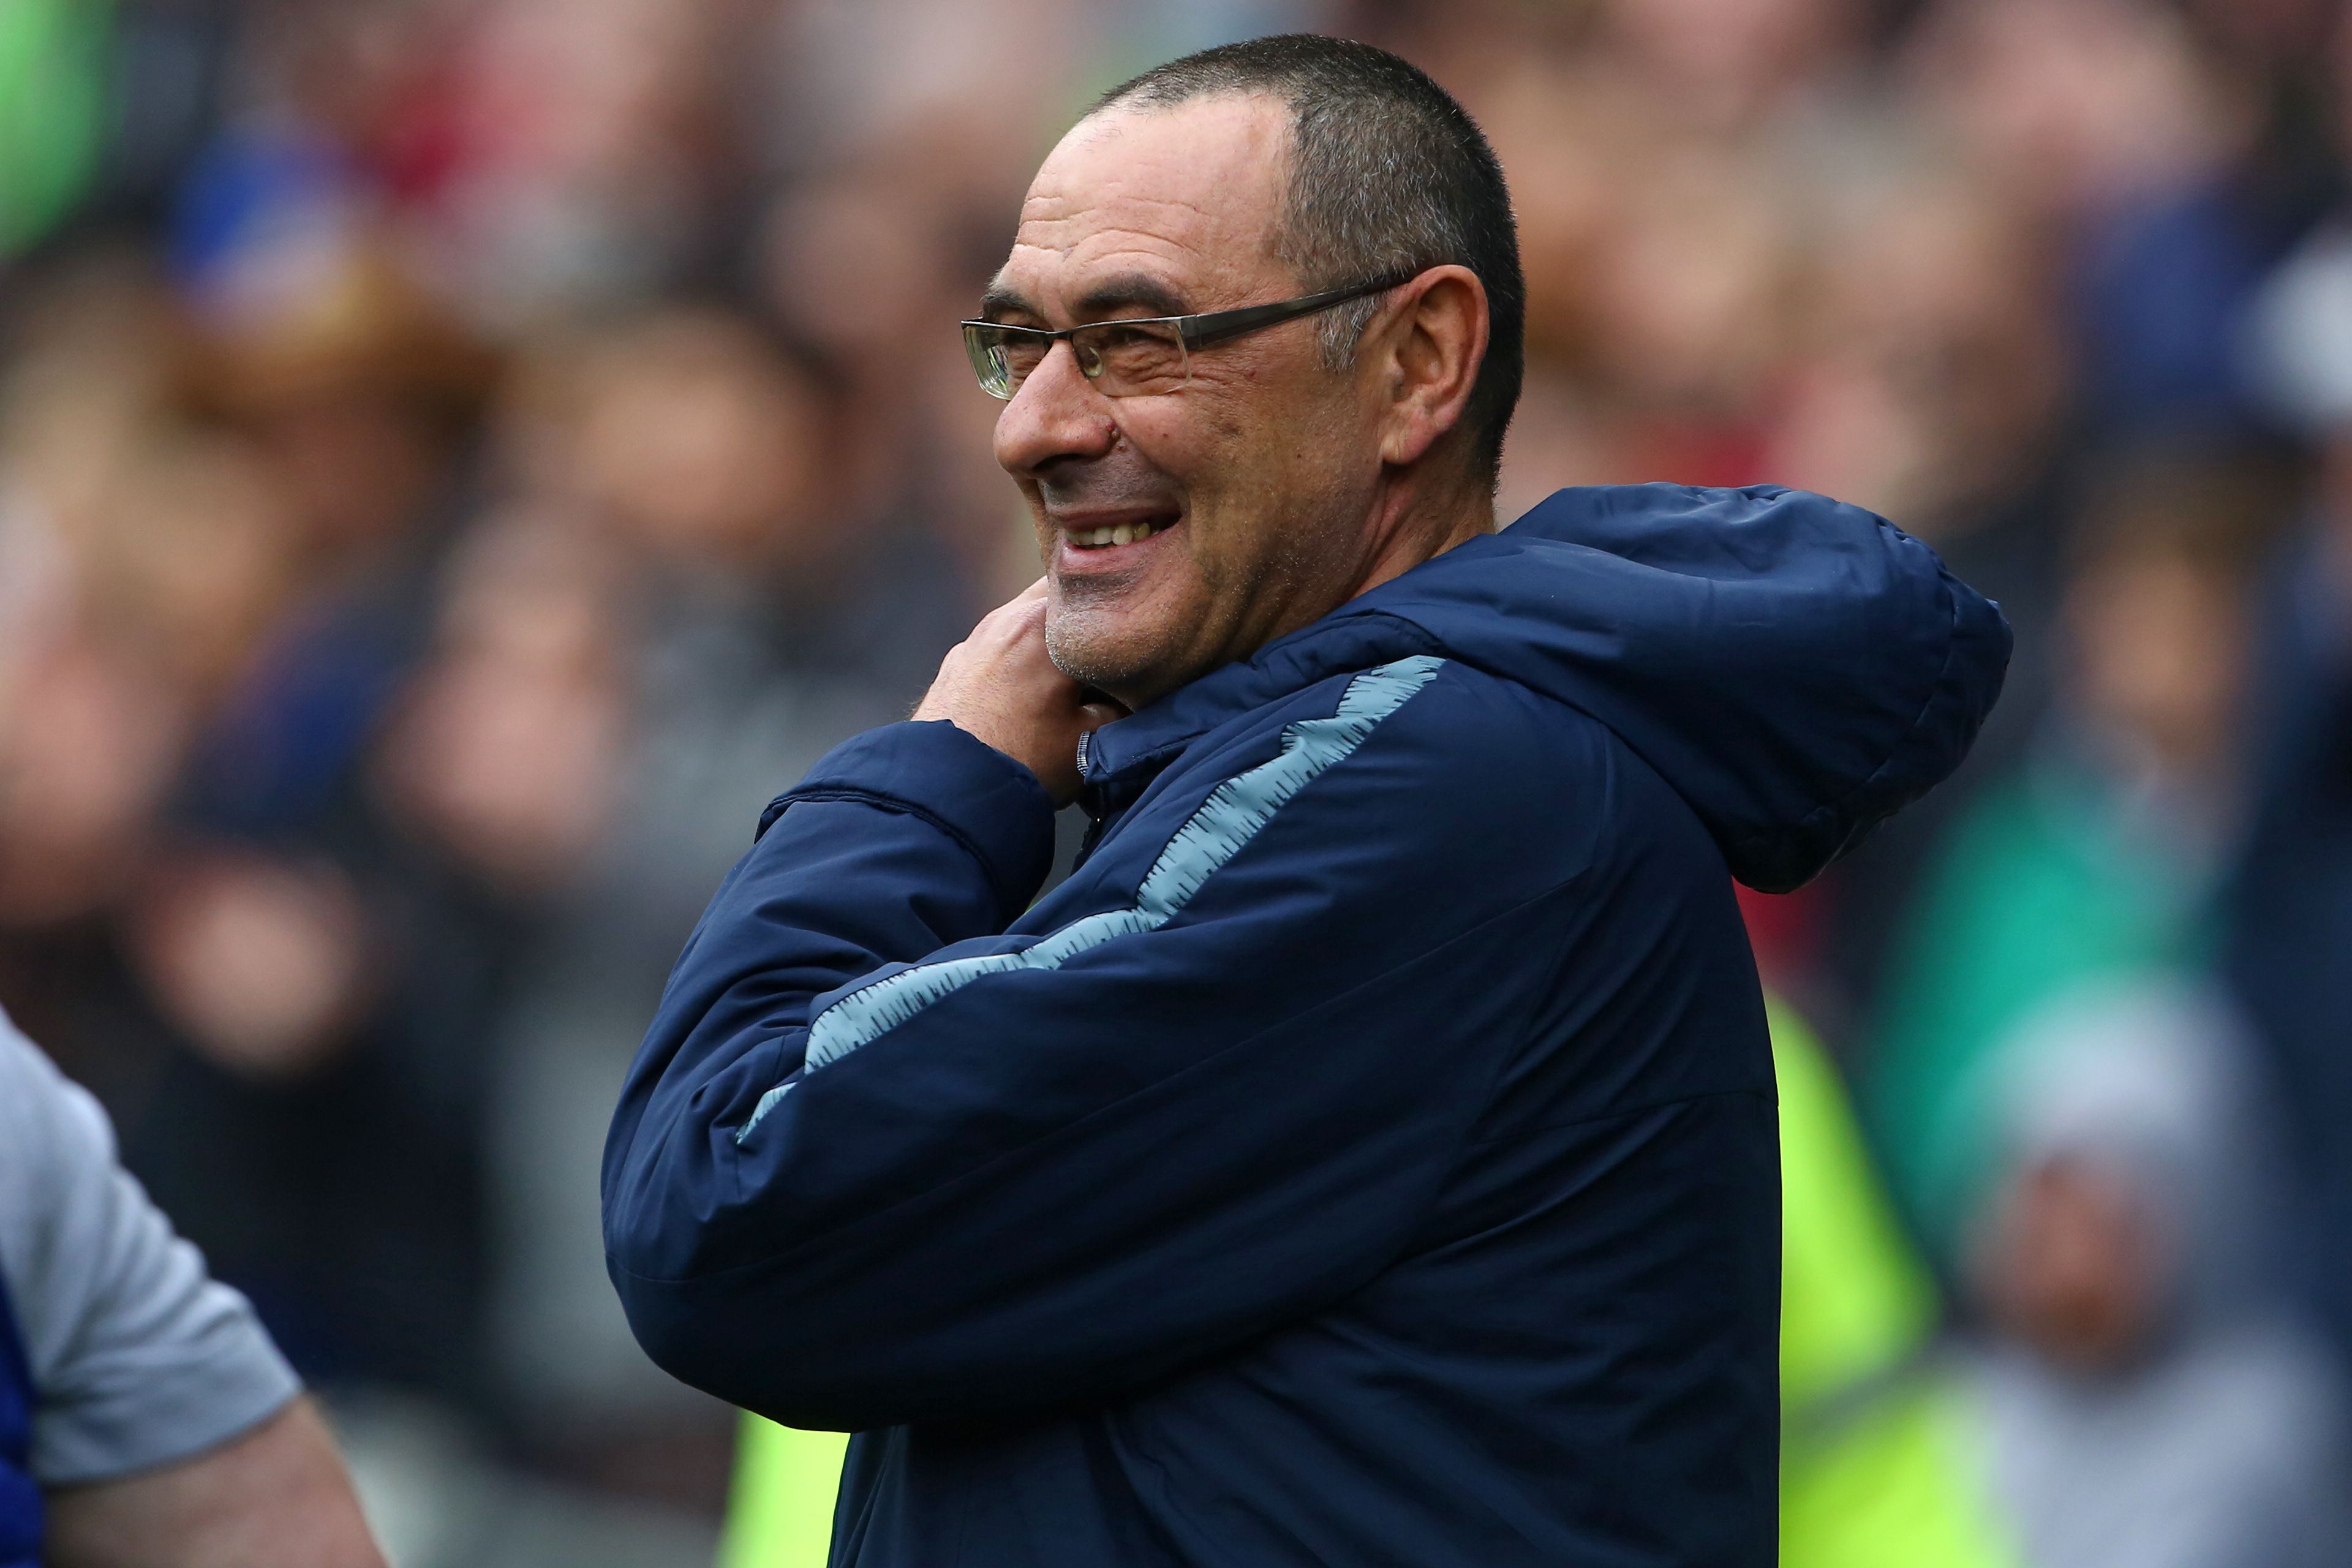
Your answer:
<point x="1236" y="811"/>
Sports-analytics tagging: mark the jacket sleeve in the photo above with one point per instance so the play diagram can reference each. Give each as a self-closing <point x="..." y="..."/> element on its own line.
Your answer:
<point x="1043" y="1167"/>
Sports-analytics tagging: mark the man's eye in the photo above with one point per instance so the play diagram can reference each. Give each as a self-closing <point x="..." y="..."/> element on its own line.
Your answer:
<point x="1021" y="353"/>
<point x="1116" y="335"/>
<point x="1139" y="349"/>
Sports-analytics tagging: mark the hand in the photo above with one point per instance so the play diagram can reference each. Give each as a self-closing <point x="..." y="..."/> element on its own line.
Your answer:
<point x="998" y="686"/>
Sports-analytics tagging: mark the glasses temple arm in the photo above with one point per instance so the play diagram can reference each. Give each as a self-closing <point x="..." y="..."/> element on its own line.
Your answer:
<point x="1217" y="326"/>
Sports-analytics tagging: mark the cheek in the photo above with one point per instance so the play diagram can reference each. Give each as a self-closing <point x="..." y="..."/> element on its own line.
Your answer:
<point x="1240" y="446"/>
<point x="1189" y="436"/>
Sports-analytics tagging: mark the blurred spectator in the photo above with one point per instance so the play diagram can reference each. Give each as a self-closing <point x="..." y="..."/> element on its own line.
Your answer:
<point x="2147" y="1398"/>
<point x="1930" y="369"/>
<point x="2100" y="850"/>
<point x="1875" y="1463"/>
<point x="676" y="606"/>
<point x="561" y="155"/>
<point x="2288" y="913"/>
<point x="1731" y="64"/>
<point x="311" y="970"/>
<point x="2107" y="117"/>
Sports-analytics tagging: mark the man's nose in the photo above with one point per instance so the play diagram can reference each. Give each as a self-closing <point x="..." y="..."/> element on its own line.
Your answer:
<point x="1056" y="413"/>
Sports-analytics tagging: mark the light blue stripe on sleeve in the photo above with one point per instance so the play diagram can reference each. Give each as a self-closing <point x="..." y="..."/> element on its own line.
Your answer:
<point x="1234" y="813"/>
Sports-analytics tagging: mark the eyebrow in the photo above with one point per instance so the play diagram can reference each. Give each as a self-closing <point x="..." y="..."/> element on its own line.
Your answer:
<point x="1002" y="299"/>
<point x="1119" y="292"/>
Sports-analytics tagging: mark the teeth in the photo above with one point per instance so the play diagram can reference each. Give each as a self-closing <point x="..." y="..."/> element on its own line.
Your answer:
<point x="1121" y="533"/>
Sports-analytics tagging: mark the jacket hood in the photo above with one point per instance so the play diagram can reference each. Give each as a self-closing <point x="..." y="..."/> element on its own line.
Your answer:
<point x="1798" y="669"/>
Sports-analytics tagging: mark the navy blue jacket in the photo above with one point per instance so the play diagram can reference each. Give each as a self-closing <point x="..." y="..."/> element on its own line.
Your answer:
<point x="1368" y="1155"/>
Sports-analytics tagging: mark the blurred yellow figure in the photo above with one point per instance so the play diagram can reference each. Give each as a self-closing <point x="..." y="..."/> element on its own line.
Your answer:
<point x="1873" y="1471"/>
<point x="1874" y="1466"/>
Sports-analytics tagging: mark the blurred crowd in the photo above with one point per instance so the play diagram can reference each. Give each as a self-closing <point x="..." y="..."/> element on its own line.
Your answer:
<point x="459" y="458"/>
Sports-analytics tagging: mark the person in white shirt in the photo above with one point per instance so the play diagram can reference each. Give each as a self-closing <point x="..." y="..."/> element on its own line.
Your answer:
<point x="146" y="1418"/>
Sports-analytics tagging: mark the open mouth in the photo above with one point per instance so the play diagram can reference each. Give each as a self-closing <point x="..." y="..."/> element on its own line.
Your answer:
<point x="1111" y="535"/>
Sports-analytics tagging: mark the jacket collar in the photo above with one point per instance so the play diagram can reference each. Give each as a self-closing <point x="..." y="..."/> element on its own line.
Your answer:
<point x="1118" y="761"/>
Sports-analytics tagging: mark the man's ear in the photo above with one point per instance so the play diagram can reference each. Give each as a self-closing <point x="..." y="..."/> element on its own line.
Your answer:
<point x="1431" y="351"/>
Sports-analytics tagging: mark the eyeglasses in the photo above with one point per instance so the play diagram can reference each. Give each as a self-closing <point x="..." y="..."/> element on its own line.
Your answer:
<point x="1135" y="358"/>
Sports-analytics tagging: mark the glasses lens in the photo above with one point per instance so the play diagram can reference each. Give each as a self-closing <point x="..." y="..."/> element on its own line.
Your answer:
<point x="998" y="357"/>
<point x="1131" y="358"/>
<point x="1124" y="359"/>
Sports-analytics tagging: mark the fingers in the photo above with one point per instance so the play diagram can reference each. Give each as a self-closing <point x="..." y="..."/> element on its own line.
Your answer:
<point x="1025" y="605"/>
<point x="1020" y="617"/>
<point x="1000" y="685"/>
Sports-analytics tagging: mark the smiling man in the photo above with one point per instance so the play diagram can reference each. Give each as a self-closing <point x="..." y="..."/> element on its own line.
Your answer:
<point x="1367" y="1155"/>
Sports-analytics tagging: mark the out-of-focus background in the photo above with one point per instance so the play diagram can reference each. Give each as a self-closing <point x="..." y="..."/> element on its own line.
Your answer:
<point x="459" y="458"/>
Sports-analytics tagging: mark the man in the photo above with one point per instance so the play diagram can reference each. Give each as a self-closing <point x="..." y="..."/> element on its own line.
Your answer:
<point x="146" y="1418"/>
<point x="1367" y="1155"/>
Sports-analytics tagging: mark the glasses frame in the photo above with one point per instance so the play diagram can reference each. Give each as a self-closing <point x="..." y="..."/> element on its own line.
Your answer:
<point x="1193" y="331"/>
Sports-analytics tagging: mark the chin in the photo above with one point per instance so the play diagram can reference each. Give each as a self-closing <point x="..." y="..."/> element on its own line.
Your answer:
<point x="1120" y="651"/>
<point x="1105" y="657"/>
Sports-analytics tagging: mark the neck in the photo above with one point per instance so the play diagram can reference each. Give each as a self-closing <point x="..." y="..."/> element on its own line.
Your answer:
<point x="1411" y="526"/>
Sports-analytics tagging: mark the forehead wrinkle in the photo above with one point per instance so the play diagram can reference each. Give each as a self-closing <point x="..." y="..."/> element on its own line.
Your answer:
<point x="1096" y="256"/>
<point x="1153" y="158"/>
<point x="1111" y="237"/>
<point x="1180" y="233"/>
<point x="1173" y="220"/>
<point x="1146" y="193"/>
